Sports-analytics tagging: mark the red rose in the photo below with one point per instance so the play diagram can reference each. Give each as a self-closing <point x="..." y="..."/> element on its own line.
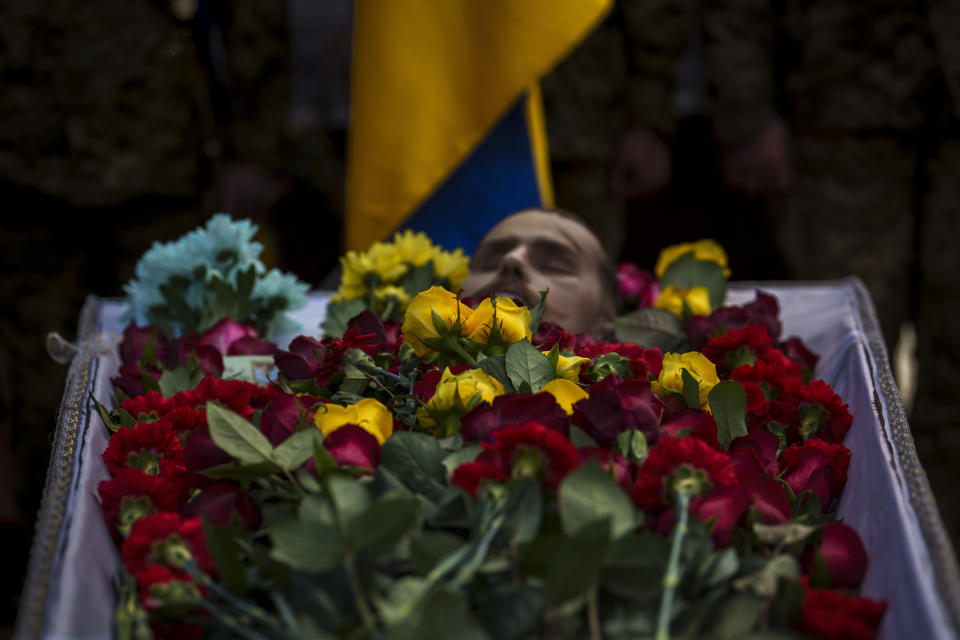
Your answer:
<point x="764" y="311"/>
<point x="696" y="423"/>
<point x="201" y="452"/>
<point x="549" y="334"/>
<point x="794" y="349"/>
<point x="673" y="457"/>
<point x="137" y="340"/>
<point x="219" y="502"/>
<point x="615" y="406"/>
<point x="353" y="446"/>
<point x="756" y="452"/>
<point x="223" y="334"/>
<point x="514" y="409"/>
<point x="842" y="555"/>
<point x="818" y="466"/>
<point x="832" y="614"/>
<point x="303" y="358"/>
<point x="285" y="413"/>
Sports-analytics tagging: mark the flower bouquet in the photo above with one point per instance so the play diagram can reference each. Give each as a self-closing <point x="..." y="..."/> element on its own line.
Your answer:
<point x="475" y="472"/>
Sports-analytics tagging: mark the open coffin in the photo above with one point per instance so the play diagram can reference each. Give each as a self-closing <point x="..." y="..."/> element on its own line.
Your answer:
<point x="70" y="591"/>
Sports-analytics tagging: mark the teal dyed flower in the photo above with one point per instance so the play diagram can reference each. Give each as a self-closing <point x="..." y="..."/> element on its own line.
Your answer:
<point x="210" y="273"/>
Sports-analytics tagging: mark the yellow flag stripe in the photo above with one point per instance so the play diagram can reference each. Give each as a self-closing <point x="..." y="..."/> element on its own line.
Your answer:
<point x="537" y="129"/>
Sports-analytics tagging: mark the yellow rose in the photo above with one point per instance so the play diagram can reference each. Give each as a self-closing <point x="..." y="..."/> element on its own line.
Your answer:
<point x="706" y="250"/>
<point x="694" y="363"/>
<point x="568" y="367"/>
<point x="566" y="393"/>
<point x="418" y="320"/>
<point x="367" y="414"/>
<point x="464" y="391"/>
<point x="671" y="299"/>
<point x="513" y="321"/>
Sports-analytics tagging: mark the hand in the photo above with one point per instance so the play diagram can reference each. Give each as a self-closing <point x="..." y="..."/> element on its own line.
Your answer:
<point x="642" y="166"/>
<point x="762" y="166"/>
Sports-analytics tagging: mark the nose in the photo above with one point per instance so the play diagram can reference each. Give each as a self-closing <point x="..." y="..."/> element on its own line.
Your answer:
<point x="514" y="262"/>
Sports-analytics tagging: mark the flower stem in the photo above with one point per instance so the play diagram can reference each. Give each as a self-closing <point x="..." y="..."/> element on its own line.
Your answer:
<point x="672" y="577"/>
<point x="593" y="613"/>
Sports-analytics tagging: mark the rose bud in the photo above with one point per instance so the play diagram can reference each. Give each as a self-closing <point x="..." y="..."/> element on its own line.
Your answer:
<point x="353" y="446"/>
<point x="842" y="554"/>
<point x="201" y="452"/>
<point x="219" y="501"/>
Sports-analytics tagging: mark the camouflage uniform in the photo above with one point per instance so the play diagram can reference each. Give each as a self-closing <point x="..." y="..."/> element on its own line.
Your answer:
<point x="871" y="94"/>
<point x="108" y="130"/>
<point x="623" y="73"/>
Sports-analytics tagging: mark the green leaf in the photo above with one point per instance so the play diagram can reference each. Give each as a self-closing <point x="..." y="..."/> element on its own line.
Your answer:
<point x="416" y="460"/>
<point x="226" y="553"/>
<point x="581" y="438"/>
<point x="527" y="368"/>
<point x="418" y="279"/>
<point x="339" y="313"/>
<point x="763" y="583"/>
<point x="691" y="390"/>
<point x="236" y="436"/>
<point x="350" y="498"/>
<point x="429" y="548"/>
<point x="688" y="272"/>
<point x="728" y="403"/>
<point x="293" y="452"/>
<point x="536" y="312"/>
<point x="173" y="381"/>
<point x="651" y="328"/>
<point x="495" y="367"/>
<point x="524" y="510"/>
<point x="577" y="562"/>
<point x="385" y="523"/>
<point x="510" y="611"/>
<point x="635" y="566"/>
<point x="446" y="614"/>
<point x="786" y="605"/>
<point x="306" y="546"/>
<point x="243" y="472"/>
<point x="589" y="494"/>
<point x="737" y="615"/>
<point x="785" y="534"/>
<point x="317" y="509"/>
<point x="717" y="568"/>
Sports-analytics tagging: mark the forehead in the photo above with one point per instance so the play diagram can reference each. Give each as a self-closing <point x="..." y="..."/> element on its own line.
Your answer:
<point x="542" y="228"/>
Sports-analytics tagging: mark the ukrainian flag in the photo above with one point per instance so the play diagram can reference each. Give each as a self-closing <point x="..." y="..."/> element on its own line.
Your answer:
<point x="447" y="132"/>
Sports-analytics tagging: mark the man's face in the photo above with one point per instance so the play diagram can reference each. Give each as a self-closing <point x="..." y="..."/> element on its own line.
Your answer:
<point x="536" y="250"/>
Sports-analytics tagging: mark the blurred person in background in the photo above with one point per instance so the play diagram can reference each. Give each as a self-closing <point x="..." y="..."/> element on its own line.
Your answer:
<point x="124" y="122"/>
<point x="632" y="146"/>
<point x="852" y="109"/>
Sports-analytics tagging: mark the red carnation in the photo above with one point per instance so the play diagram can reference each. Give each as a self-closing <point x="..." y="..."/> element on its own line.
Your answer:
<point x="832" y="614"/>
<point x="832" y="415"/>
<point x="151" y="447"/>
<point x="764" y="311"/>
<point x="695" y="458"/>
<point x="132" y="494"/>
<point x="149" y="402"/>
<point x="238" y="396"/>
<point x="166" y="539"/>
<point x="469" y="476"/>
<point x="529" y="449"/>
<point x="842" y="555"/>
<point x="738" y="347"/>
